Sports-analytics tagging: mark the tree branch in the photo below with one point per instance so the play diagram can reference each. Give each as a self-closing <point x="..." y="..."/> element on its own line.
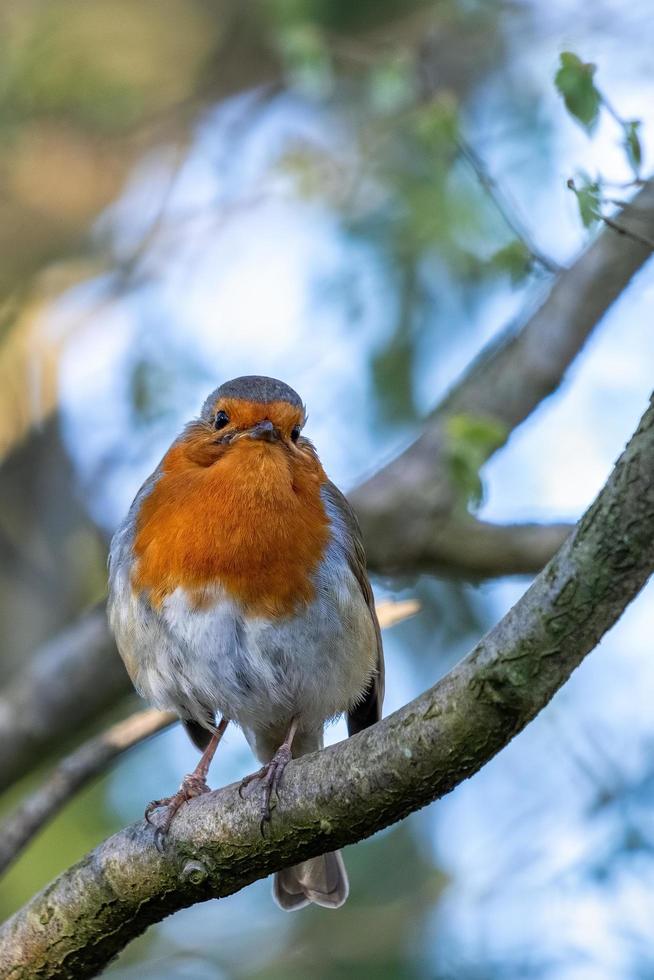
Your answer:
<point x="468" y="547"/>
<point x="67" y="684"/>
<point x="629" y="232"/>
<point x="505" y="207"/>
<point x="351" y="790"/>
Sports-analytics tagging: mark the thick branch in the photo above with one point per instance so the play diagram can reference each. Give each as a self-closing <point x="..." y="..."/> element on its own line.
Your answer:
<point x="351" y="790"/>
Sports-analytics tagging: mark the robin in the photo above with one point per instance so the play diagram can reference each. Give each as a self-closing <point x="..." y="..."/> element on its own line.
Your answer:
<point x="238" y="591"/>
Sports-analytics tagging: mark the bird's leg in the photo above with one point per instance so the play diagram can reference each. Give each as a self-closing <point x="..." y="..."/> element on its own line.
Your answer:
<point x="271" y="773"/>
<point x="194" y="784"/>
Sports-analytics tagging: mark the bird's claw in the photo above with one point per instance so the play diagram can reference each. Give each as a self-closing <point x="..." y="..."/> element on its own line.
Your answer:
<point x="155" y="805"/>
<point x="192" y="786"/>
<point x="271" y="776"/>
<point x="160" y="836"/>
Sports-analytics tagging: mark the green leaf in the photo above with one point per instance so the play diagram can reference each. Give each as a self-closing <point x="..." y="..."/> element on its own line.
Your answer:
<point x="514" y="259"/>
<point x="632" y="145"/>
<point x="470" y="441"/>
<point x="589" y="198"/>
<point x="574" y="81"/>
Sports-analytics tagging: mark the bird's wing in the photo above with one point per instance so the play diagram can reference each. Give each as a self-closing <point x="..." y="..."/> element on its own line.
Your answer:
<point x="369" y="709"/>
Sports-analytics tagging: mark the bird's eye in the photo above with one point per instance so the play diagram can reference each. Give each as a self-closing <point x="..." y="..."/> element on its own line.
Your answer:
<point x="221" y="420"/>
<point x="295" y="433"/>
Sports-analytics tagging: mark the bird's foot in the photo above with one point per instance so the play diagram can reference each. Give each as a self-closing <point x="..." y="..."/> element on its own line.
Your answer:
<point x="192" y="785"/>
<point x="271" y="776"/>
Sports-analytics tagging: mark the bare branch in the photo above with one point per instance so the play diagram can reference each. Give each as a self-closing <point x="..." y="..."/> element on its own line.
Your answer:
<point x="72" y="773"/>
<point x="467" y="547"/>
<point x="349" y="791"/>
<point x="390" y="612"/>
<point x="629" y="232"/>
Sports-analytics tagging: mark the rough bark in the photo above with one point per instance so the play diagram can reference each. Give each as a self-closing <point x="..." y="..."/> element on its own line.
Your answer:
<point x="349" y="791"/>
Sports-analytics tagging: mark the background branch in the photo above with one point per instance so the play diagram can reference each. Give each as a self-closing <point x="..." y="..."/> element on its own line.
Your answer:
<point x="68" y="683"/>
<point x="467" y="547"/>
<point x="505" y="207"/>
<point x="349" y="791"/>
<point x="72" y="773"/>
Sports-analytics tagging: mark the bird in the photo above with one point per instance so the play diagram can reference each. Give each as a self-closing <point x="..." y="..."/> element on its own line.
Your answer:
<point x="238" y="593"/>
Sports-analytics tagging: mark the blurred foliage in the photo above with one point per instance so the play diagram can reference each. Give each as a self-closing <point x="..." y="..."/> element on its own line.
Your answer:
<point x="392" y="366"/>
<point x="76" y="830"/>
<point x="406" y="194"/>
<point x="574" y="80"/>
<point x="342" y="16"/>
<point x="104" y="65"/>
<point x="470" y="441"/>
<point x="514" y="259"/>
<point x="76" y="82"/>
<point x="632" y="145"/>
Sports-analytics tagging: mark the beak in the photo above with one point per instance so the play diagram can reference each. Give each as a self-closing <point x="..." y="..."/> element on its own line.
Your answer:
<point x="264" y="430"/>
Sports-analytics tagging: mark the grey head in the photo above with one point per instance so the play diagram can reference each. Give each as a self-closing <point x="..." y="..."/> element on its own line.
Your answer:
<point x="252" y="388"/>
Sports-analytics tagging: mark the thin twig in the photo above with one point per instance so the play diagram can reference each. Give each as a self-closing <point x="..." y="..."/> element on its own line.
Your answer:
<point x="612" y="111"/>
<point x="390" y="612"/>
<point x="621" y="230"/>
<point x="624" y="185"/>
<point x="506" y="208"/>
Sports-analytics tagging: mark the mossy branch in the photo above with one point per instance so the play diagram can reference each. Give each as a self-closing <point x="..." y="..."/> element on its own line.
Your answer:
<point x="349" y="791"/>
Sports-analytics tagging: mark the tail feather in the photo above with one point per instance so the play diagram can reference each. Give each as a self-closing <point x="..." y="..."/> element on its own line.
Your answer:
<point x="321" y="880"/>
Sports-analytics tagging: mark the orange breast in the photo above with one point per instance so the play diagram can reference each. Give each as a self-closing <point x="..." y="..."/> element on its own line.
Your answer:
<point x="252" y="522"/>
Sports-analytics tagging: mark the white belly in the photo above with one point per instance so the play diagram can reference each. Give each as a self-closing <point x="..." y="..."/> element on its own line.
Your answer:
<point x="257" y="672"/>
